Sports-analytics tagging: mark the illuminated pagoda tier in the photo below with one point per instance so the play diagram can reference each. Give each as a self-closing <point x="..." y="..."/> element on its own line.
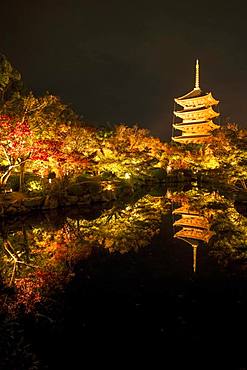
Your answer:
<point x="195" y="228"/>
<point x="197" y="115"/>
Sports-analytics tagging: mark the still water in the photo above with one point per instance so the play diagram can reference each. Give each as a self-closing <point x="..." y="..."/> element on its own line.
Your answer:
<point x="164" y="266"/>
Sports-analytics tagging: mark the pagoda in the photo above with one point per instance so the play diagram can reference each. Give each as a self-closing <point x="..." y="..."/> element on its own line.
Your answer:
<point x="197" y="115"/>
<point x="195" y="228"/>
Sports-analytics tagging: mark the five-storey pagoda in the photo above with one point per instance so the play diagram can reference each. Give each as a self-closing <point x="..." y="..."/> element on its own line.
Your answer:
<point x="197" y="115"/>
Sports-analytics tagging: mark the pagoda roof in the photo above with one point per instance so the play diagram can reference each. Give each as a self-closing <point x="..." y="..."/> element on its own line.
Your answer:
<point x="195" y="93"/>
<point x="198" y="101"/>
<point x="183" y="126"/>
<point x="200" y="114"/>
<point x="196" y="139"/>
<point x="197" y="123"/>
<point x="193" y="233"/>
<point x="196" y="222"/>
<point x="186" y="210"/>
<point x="197" y="96"/>
<point x="192" y="242"/>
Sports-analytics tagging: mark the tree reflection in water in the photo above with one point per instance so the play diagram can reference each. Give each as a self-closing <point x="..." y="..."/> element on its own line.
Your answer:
<point x="211" y="218"/>
<point x="38" y="256"/>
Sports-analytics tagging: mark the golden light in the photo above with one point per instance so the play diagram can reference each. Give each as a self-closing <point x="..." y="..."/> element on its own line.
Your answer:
<point x="127" y="175"/>
<point x="109" y="187"/>
<point x="34" y="186"/>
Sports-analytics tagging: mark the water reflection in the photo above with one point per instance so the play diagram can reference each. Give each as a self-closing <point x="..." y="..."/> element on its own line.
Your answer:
<point x="38" y="255"/>
<point x="210" y="218"/>
<point x="195" y="228"/>
<point x="37" y="258"/>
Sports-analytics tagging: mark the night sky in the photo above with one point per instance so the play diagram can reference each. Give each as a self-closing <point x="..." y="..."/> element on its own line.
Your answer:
<point x="125" y="61"/>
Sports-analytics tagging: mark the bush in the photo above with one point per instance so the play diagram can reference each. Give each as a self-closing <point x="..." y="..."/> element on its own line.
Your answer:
<point x="33" y="183"/>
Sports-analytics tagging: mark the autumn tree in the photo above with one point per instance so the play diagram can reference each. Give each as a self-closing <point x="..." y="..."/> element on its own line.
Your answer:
<point x="128" y="150"/>
<point x="15" y="145"/>
<point x="49" y="120"/>
<point x="230" y="148"/>
<point x="11" y="85"/>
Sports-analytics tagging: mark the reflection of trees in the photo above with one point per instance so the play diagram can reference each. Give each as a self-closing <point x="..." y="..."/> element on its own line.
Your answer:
<point x="37" y="259"/>
<point x="229" y="242"/>
<point x="127" y="228"/>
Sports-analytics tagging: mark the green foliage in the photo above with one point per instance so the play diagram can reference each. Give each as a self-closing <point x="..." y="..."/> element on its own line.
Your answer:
<point x="230" y="241"/>
<point x="33" y="184"/>
<point x="11" y="86"/>
<point x="67" y="146"/>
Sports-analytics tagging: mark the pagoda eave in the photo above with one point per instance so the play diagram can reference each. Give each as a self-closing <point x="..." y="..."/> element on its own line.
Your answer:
<point x="196" y="127"/>
<point x="185" y="210"/>
<point x="192" y="242"/>
<point x="196" y="101"/>
<point x="201" y="223"/>
<point x="198" y="234"/>
<point x="200" y="114"/>
<point x="195" y="139"/>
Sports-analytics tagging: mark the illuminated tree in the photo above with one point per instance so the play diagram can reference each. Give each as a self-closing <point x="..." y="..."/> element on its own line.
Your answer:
<point x="11" y="85"/>
<point x="230" y="149"/>
<point x="129" y="150"/>
<point x="15" y="145"/>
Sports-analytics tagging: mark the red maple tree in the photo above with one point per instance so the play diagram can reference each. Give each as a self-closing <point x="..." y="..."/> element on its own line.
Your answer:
<point x="16" y="139"/>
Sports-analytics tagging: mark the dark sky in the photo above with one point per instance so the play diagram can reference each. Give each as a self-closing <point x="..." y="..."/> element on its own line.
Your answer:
<point x="125" y="61"/>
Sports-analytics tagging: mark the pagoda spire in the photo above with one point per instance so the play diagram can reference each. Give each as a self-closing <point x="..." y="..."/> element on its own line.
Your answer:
<point x="197" y="79"/>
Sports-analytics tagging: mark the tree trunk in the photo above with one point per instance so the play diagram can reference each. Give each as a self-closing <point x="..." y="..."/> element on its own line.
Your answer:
<point x="4" y="178"/>
<point x="22" y="169"/>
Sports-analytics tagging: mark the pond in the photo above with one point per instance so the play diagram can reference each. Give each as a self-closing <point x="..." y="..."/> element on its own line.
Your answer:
<point x="166" y="266"/>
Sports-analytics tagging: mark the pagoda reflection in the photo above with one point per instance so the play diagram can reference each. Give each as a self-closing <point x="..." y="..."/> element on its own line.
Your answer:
<point x="194" y="228"/>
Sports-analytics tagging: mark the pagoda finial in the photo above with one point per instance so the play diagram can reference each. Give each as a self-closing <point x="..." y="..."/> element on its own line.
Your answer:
<point x="194" y="256"/>
<point x="197" y="75"/>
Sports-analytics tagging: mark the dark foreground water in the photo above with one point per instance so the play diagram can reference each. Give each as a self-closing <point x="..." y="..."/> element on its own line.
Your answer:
<point x="158" y="277"/>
